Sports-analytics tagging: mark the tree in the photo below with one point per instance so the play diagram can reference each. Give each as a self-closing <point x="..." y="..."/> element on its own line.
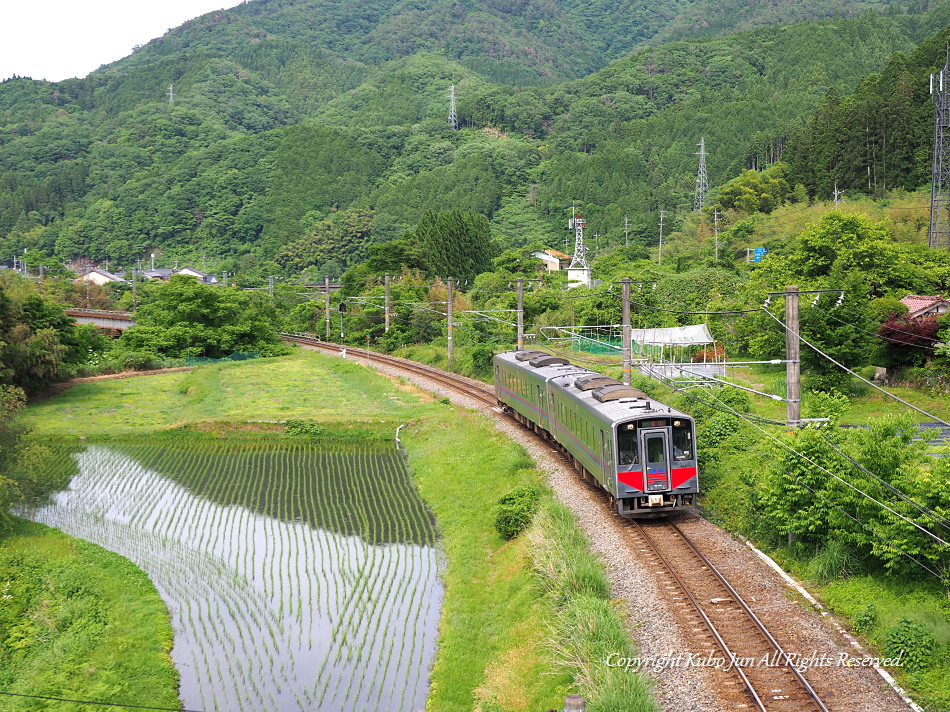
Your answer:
<point x="455" y="244"/>
<point x="183" y="317"/>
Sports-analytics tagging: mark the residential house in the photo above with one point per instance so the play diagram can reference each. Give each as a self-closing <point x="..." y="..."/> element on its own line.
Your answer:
<point x="920" y="306"/>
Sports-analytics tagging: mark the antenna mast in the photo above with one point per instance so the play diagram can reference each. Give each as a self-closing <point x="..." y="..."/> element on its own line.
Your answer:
<point x="939" y="233"/>
<point x="702" y="180"/>
<point x="453" y="117"/>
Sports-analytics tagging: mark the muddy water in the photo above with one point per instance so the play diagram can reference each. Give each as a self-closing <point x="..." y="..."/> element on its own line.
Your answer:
<point x="268" y="613"/>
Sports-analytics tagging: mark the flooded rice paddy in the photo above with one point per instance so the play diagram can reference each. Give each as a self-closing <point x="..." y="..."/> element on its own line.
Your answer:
<point x="296" y="578"/>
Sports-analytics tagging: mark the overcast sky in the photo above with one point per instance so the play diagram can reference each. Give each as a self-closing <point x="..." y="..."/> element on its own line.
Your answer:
<point x="58" y="39"/>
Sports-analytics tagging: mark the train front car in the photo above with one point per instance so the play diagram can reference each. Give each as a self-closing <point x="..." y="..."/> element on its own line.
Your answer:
<point x="647" y="453"/>
<point x="656" y="463"/>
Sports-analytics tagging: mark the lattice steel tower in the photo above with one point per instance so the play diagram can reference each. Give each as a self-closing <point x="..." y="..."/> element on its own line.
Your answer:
<point x="939" y="235"/>
<point x="453" y="117"/>
<point x="702" y="180"/>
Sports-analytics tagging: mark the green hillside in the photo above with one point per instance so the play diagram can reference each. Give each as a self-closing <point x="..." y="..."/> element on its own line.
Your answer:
<point x="303" y="132"/>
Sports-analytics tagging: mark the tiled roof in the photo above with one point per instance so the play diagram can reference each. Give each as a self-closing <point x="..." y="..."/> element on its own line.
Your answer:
<point x="916" y="303"/>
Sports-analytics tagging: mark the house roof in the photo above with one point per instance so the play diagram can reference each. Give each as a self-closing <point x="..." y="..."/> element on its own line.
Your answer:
<point x="152" y="273"/>
<point x="552" y="253"/>
<point x="108" y="275"/>
<point x="917" y="303"/>
<point x="192" y="270"/>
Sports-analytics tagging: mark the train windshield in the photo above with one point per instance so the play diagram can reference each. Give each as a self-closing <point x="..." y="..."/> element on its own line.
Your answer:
<point x="627" y="446"/>
<point x="682" y="440"/>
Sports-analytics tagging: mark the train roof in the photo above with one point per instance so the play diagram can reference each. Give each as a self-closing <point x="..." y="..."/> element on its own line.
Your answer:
<point x="617" y="402"/>
<point x="607" y="397"/>
<point x="544" y="368"/>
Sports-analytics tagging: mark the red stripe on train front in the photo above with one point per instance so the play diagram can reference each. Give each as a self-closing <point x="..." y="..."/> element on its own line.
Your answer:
<point x="681" y="475"/>
<point x="631" y="479"/>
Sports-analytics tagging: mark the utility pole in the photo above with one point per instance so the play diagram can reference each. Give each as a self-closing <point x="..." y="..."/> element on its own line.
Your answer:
<point x="626" y="231"/>
<point x="326" y="303"/>
<point x="625" y="335"/>
<point x="702" y="180"/>
<point x="520" y="313"/>
<point x="793" y="366"/>
<point x="716" y="231"/>
<point x="939" y="233"/>
<point x="135" y="293"/>
<point x="386" y="305"/>
<point x="153" y="260"/>
<point x="270" y="285"/>
<point x="171" y="94"/>
<point x="451" y="347"/>
<point x="659" y="254"/>
<point x="837" y="195"/>
<point x="224" y="278"/>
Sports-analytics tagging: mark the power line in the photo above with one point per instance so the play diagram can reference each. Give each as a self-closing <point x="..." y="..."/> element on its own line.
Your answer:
<point x="929" y="513"/>
<point x="848" y="370"/>
<point x="843" y="481"/>
<point x="91" y="702"/>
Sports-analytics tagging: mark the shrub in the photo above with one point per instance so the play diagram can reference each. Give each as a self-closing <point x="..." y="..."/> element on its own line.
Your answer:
<point x="833" y="562"/>
<point x="866" y="619"/>
<point x="305" y="428"/>
<point x="716" y="429"/>
<point x="515" y="511"/>
<point x="913" y="642"/>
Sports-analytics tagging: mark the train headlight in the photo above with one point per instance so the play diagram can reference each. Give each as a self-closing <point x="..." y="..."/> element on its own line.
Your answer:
<point x="677" y="423"/>
<point x="631" y="426"/>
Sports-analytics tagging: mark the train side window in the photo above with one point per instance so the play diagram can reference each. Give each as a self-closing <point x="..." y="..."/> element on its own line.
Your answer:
<point x="682" y="440"/>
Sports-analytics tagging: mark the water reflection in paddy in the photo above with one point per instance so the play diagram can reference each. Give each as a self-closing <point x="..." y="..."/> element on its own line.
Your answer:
<point x="269" y="610"/>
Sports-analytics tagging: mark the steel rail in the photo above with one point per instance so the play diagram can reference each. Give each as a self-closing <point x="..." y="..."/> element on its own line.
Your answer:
<point x="778" y="648"/>
<point x="759" y="626"/>
<point x="464" y="386"/>
<point x="699" y="609"/>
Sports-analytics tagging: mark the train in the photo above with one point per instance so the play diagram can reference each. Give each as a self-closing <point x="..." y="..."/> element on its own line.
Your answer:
<point x="640" y="451"/>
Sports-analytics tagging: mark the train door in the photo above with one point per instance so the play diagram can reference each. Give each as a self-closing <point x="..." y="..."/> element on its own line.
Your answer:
<point x="656" y="448"/>
<point x="606" y="457"/>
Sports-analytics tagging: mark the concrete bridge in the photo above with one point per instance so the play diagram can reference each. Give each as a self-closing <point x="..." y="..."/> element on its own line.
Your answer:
<point x="102" y="319"/>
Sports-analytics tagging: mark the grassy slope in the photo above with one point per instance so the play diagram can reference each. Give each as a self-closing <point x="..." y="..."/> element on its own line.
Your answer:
<point x="80" y="622"/>
<point x="493" y="627"/>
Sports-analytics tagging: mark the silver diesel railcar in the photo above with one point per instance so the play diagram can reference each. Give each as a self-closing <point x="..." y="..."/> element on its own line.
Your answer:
<point x="641" y="451"/>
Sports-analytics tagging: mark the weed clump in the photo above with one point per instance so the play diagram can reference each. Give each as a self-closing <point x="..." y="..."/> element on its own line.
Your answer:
<point x="305" y="428"/>
<point x="914" y="643"/>
<point x="515" y="511"/>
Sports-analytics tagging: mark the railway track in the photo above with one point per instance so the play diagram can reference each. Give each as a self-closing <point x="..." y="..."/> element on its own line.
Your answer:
<point x="467" y="387"/>
<point x="738" y="644"/>
<point x="711" y="610"/>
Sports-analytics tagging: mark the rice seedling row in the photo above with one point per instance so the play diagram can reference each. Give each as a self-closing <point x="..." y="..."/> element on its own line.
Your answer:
<point x="297" y="578"/>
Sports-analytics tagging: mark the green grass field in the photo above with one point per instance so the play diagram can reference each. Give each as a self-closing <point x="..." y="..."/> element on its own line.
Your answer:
<point x="78" y="621"/>
<point x="305" y="385"/>
<point x="495" y="647"/>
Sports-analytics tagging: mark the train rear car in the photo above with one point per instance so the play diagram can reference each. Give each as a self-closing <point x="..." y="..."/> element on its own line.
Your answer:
<point x="521" y="384"/>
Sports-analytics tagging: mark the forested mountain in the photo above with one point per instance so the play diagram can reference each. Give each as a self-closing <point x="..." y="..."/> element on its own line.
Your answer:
<point x="301" y="132"/>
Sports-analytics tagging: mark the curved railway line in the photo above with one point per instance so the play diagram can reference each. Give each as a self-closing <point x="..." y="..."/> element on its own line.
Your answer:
<point x="708" y="606"/>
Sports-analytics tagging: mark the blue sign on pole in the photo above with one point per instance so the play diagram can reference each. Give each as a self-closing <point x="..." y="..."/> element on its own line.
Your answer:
<point x="758" y="253"/>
